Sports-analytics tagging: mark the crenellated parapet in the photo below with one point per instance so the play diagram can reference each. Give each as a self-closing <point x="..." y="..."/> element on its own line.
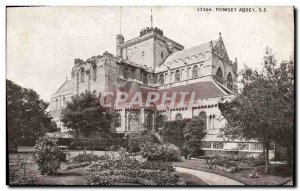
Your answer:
<point x="151" y="29"/>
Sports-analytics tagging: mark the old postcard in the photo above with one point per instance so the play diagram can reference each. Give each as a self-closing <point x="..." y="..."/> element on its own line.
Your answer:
<point x="152" y="96"/>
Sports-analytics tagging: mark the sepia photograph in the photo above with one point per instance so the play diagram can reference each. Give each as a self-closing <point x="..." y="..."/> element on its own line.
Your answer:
<point x="148" y="96"/>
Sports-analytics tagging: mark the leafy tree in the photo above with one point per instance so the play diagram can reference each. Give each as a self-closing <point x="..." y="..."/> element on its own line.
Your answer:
<point x="264" y="110"/>
<point x="27" y="118"/>
<point x="83" y="114"/>
<point x="193" y="132"/>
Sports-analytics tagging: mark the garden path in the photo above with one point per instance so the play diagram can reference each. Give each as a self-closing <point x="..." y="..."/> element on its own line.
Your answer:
<point x="210" y="178"/>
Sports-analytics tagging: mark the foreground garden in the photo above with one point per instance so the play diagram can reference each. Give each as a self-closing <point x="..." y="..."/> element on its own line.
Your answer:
<point x="151" y="163"/>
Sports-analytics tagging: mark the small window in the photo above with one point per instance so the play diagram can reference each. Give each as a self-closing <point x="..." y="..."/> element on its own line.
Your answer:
<point x="82" y="75"/>
<point x="161" y="79"/>
<point x="143" y="53"/>
<point x="195" y="72"/>
<point x="218" y="145"/>
<point x="177" y="75"/>
<point x="161" y="54"/>
<point x="178" y="117"/>
<point x="118" y="120"/>
<point x="206" y="145"/>
<point x="94" y="72"/>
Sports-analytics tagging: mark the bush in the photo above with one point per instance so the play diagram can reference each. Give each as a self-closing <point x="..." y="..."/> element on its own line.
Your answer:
<point x="99" y="144"/>
<point x="232" y="163"/>
<point x="157" y="152"/>
<point x="130" y="171"/>
<point x="17" y="174"/>
<point x="185" y="134"/>
<point x="88" y="158"/>
<point x="137" y="140"/>
<point x="48" y="155"/>
<point x="78" y="165"/>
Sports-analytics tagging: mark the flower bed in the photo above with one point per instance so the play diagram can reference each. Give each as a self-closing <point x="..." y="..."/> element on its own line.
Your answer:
<point x="230" y="163"/>
<point x="157" y="152"/>
<point x="129" y="170"/>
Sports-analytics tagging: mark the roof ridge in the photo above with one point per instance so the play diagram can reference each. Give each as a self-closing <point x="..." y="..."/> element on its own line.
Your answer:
<point x="61" y="86"/>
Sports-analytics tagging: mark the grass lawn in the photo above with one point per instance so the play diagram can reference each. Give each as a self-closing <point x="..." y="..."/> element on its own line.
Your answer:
<point x="278" y="175"/>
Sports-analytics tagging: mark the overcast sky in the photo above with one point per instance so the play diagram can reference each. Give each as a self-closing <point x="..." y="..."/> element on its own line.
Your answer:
<point x="43" y="42"/>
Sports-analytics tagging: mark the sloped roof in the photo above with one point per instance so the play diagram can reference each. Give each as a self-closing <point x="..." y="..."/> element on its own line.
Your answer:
<point x="189" y="56"/>
<point x="67" y="86"/>
<point x="206" y="89"/>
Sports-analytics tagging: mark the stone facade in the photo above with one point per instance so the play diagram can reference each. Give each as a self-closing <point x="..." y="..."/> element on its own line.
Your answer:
<point x="153" y="62"/>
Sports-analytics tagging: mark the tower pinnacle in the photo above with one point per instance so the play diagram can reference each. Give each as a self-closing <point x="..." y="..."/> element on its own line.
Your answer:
<point x="151" y="19"/>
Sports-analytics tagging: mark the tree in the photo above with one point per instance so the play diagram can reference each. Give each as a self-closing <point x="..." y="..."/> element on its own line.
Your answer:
<point x="85" y="115"/>
<point x="193" y="132"/>
<point x="27" y="118"/>
<point x="264" y="110"/>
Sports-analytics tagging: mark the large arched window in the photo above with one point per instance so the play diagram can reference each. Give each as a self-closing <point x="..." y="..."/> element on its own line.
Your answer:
<point x="195" y="71"/>
<point x="134" y="122"/>
<point x="178" y="117"/>
<point x="160" y="121"/>
<point x="177" y="75"/>
<point x="229" y="81"/>
<point x="161" y="79"/>
<point x="203" y="118"/>
<point x="94" y="72"/>
<point x="149" y="121"/>
<point x="117" y="120"/>
<point x="82" y="75"/>
<point x="56" y="103"/>
<point x="126" y="73"/>
<point x="219" y="75"/>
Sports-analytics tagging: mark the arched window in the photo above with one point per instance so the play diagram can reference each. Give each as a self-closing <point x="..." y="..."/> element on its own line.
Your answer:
<point x="166" y="76"/>
<point x="182" y="73"/>
<point x="195" y="72"/>
<point x="149" y="120"/>
<point x="126" y="73"/>
<point x="161" y="79"/>
<point x="117" y="120"/>
<point x="160" y="121"/>
<point x="203" y="118"/>
<point x="133" y="121"/>
<point x="94" y="72"/>
<point x="82" y="75"/>
<point x="177" y="75"/>
<point x="56" y="103"/>
<point x="145" y="79"/>
<point x="219" y="75"/>
<point x="229" y="81"/>
<point x="171" y="78"/>
<point x="178" y="117"/>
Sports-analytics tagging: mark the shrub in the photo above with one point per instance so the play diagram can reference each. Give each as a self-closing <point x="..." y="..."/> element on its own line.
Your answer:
<point x="78" y="165"/>
<point x="48" y="155"/>
<point x="185" y="134"/>
<point x="137" y="140"/>
<point x="88" y="158"/>
<point x="157" y="152"/>
<point x="17" y="174"/>
<point x="106" y="144"/>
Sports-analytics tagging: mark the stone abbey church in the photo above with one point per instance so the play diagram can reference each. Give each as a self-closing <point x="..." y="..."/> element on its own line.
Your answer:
<point x="152" y="62"/>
